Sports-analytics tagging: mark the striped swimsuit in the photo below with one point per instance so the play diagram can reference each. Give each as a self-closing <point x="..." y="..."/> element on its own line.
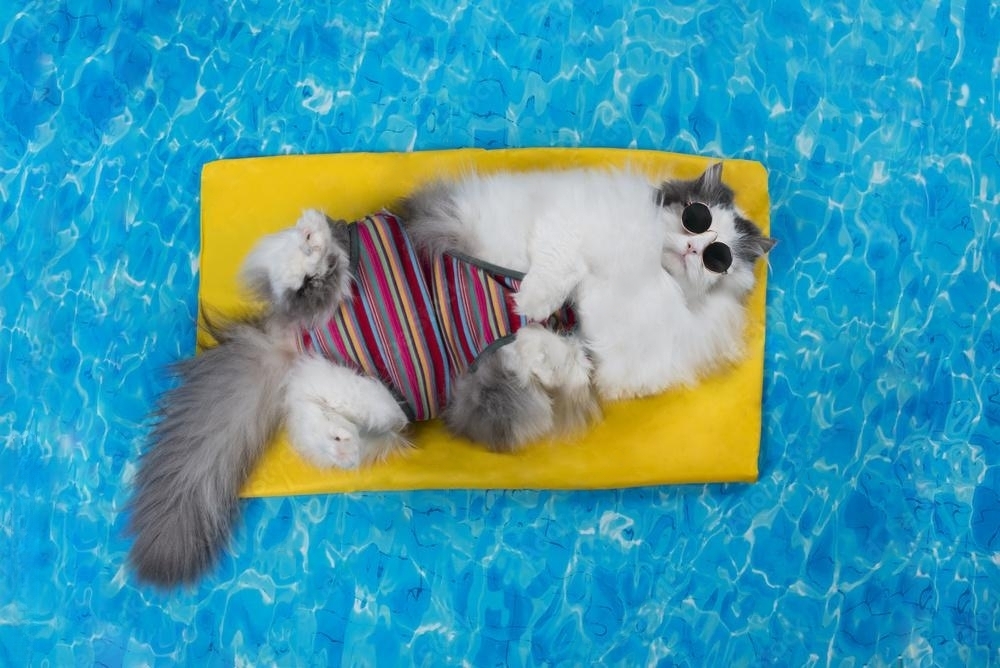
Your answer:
<point x="417" y="324"/>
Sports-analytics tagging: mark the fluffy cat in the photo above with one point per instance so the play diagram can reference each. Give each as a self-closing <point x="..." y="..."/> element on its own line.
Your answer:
<point x="655" y="277"/>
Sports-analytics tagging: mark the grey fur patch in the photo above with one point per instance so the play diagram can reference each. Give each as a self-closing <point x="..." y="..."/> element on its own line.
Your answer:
<point x="211" y="429"/>
<point x="319" y="295"/>
<point x="752" y="244"/>
<point x="432" y="220"/>
<point x="258" y="283"/>
<point x="707" y="188"/>
<point x="493" y="406"/>
<point x="341" y="231"/>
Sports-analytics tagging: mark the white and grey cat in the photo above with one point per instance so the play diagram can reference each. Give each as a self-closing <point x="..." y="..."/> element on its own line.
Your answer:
<point x="658" y="276"/>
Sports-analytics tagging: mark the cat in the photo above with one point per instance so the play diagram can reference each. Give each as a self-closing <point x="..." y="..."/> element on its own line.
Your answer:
<point x="605" y="285"/>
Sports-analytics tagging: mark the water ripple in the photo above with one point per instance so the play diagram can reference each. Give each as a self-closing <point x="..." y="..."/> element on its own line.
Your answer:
<point x="873" y="535"/>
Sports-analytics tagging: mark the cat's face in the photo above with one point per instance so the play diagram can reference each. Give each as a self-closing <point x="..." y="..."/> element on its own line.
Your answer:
<point x="708" y="246"/>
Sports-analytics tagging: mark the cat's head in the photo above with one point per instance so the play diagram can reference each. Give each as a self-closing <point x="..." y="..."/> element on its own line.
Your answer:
<point x="709" y="246"/>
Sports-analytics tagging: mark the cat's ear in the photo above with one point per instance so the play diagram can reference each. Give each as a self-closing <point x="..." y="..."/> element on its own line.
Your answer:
<point x="766" y="244"/>
<point x="711" y="178"/>
<point x="710" y="187"/>
<point x="707" y="188"/>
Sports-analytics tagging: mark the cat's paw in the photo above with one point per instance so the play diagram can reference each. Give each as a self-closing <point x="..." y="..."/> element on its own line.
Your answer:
<point x="555" y="361"/>
<point x="281" y="263"/>
<point x="550" y="282"/>
<point x="336" y="417"/>
<point x="314" y="237"/>
<point x="303" y="271"/>
<point x="499" y="404"/>
<point x="306" y="255"/>
<point x="534" y="304"/>
<point x="327" y="439"/>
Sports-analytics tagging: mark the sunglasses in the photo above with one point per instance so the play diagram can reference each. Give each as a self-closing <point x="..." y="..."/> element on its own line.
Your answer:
<point x="696" y="219"/>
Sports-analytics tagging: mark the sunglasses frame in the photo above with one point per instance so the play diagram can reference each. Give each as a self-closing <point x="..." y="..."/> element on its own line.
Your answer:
<point x="718" y="245"/>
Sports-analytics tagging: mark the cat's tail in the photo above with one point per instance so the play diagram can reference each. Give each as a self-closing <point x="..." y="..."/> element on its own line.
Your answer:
<point x="211" y="430"/>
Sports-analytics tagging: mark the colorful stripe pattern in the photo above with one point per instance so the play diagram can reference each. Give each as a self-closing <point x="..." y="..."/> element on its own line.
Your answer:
<point x="388" y="329"/>
<point x="416" y="325"/>
<point x="476" y="308"/>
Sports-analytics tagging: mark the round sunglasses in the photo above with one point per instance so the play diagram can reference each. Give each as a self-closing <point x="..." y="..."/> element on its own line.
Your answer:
<point x="697" y="218"/>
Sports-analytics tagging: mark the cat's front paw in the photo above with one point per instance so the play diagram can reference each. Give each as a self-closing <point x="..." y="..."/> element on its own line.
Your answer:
<point x="281" y="264"/>
<point x="306" y="255"/>
<point x="314" y="237"/>
<point x="535" y="305"/>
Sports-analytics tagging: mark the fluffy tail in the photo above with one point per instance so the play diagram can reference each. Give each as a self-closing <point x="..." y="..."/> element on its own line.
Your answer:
<point x="212" y="428"/>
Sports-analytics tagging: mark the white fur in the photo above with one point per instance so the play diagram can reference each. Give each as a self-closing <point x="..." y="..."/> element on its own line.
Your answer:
<point x="650" y="313"/>
<point x="280" y="261"/>
<point x="336" y="417"/>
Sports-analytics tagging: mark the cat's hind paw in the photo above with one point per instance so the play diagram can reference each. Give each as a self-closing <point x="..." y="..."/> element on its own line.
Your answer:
<point x="338" y="418"/>
<point x="561" y="366"/>
<point x="326" y="439"/>
<point x="555" y="361"/>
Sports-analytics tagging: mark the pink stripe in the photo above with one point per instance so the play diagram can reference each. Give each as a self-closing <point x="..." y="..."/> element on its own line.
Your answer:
<point x="408" y="337"/>
<point x="467" y="329"/>
<point x="480" y="312"/>
<point x="385" y="331"/>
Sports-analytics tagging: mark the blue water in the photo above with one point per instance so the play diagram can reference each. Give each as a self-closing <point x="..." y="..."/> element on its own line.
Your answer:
<point x="873" y="536"/>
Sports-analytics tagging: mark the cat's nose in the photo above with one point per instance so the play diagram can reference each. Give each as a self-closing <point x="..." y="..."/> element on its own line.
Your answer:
<point x="700" y="242"/>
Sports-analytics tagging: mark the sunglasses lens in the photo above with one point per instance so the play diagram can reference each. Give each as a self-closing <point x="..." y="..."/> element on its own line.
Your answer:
<point x="717" y="257"/>
<point x="696" y="218"/>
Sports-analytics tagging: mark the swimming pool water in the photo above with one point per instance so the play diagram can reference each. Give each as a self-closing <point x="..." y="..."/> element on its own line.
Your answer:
<point x="873" y="536"/>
